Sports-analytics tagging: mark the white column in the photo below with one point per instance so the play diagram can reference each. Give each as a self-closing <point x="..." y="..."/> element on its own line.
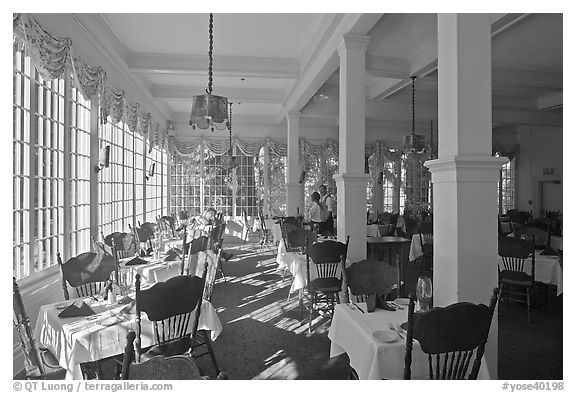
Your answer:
<point x="351" y="181"/>
<point x="465" y="175"/>
<point x="293" y="188"/>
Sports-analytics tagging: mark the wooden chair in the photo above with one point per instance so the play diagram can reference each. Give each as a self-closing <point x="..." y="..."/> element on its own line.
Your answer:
<point x="425" y="232"/>
<point x="246" y="230"/>
<point x="216" y="242"/>
<point x="450" y="336"/>
<point x="265" y="236"/>
<point x="201" y="345"/>
<point x="514" y="253"/>
<point x="298" y="239"/>
<point x="170" y="222"/>
<point x="39" y="363"/>
<point x="518" y="218"/>
<point x="124" y="244"/>
<point x="143" y="236"/>
<point x="200" y="243"/>
<point x="88" y="273"/>
<point x="173" y="306"/>
<point x="178" y="367"/>
<point x="327" y="257"/>
<point x="287" y="227"/>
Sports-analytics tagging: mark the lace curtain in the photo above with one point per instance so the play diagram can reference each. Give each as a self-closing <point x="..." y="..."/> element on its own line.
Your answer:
<point x="52" y="55"/>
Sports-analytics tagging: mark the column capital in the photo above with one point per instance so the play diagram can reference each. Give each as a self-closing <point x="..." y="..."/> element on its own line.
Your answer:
<point x="465" y="168"/>
<point x="293" y="115"/>
<point x="353" y="41"/>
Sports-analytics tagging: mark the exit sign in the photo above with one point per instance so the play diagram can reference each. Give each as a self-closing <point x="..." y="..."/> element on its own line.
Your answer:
<point x="547" y="171"/>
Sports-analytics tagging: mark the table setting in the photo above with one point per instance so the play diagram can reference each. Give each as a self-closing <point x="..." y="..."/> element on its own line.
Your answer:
<point x="93" y="328"/>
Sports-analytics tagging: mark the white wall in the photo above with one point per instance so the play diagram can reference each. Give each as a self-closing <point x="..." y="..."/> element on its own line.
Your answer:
<point x="540" y="147"/>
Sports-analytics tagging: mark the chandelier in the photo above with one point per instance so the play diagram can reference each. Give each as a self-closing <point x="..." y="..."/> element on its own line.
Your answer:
<point x="208" y="110"/>
<point x="414" y="143"/>
<point x="229" y="161"/>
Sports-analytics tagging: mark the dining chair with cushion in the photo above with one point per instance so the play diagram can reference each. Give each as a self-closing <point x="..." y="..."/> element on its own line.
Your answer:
<point x="216" y="242"/>
<point x="425" y="233"/>
<point x="512" y="277"/>
<point x="328" y="258"/>
<point x="298" y="239"/>
<point x="201" y="243"/>
<point x="39" y="363"/>
<point x="143" y="238"/>
<point x="124" y="245"/>
<point x="286" y="228"/>
<point x="177" y="367"/>
<point x="88" y="273"/>
<point x="453" y="337"/>
<point x="173" y="307"/>
<point x="201" y="344"/>
<point x="263" y="231"/>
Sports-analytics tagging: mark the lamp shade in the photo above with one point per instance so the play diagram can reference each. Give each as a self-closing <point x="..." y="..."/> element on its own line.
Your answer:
<point x="208" y="109"/>
<point x="414" y="143"/>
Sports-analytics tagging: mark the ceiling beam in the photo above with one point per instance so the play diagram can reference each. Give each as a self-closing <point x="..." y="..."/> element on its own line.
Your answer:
<point x="234" y="66"/>
<point x="246" y="95"/>
<point x="325" y="59"/>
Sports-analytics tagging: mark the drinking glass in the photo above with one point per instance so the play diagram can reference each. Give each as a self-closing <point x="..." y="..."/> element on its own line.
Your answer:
<point x="424" y="293"/>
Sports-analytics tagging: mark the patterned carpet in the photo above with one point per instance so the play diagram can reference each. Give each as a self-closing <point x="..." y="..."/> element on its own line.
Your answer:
<point x="263" y="336"/>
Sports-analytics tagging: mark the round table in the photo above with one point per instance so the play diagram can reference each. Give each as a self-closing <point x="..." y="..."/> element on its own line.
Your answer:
<point x="397" y="247"/>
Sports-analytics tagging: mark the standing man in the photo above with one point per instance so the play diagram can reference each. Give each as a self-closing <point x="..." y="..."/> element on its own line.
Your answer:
<point x="329" y="201"/>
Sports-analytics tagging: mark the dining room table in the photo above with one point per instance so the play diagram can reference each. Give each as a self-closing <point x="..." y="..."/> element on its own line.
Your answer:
<point x="77" y="340"/>
<point x="376" y="343"/>
<point x="395" y="248"/>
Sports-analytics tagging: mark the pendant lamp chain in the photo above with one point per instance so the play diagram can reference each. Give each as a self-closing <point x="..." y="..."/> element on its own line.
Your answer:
<point x="210" y="53"/>
<point x="413" y="107"/>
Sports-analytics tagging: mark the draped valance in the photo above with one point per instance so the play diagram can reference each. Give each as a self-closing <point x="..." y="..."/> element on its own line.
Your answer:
<point x="503" y="150"/>
<point x="52" y="55"/>
<point x="220" y="146"/>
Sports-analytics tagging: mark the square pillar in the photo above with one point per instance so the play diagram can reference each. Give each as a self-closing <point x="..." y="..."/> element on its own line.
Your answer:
<point x="351" y="181"/>
<point x="465" y="175"/>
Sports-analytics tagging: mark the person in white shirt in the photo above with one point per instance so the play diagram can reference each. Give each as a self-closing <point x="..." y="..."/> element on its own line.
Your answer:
<point x="318" y="212"/>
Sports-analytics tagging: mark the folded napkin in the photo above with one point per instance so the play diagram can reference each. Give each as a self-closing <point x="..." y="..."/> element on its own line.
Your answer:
<point x="135" y="261"/>
<point x="77" y="309"/>
<point x="375" y="301"/>
<point x="172" y="255"/>
<point x="126" y="300"/>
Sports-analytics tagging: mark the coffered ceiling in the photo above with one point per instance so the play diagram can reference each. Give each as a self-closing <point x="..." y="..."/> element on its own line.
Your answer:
<point x="274" y="63"/>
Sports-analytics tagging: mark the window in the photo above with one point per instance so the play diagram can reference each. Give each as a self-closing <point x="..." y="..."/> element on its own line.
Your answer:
<point x="154" y="184"/>
<point x="185" y="185"/>
<point x="79" y="174"/>
<point x="388" y="177"/>
<point x="22" y="174"/>
<point x="277" y="182"/>
<point x="138" y="168"/>
<point x="217" y="184"/>
<point x="506" y="187"/>
<point x="246" y="196"/>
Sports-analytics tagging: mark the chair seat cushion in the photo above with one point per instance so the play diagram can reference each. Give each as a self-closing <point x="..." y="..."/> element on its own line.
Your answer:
<point x="171" y="348"/>
<point x="516" y="278"/>
<point x="51" y="366"/>
<point x="329" y="284"/>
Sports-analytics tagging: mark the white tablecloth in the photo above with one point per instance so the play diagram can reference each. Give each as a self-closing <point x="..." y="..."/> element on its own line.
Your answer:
<point x="78" y="340"/>
<point x="416" y="246"/>
<point x="154" y="271"/>
<point x="352" y="332"/>
<point x="547" y="270"/>
<point x="272" y="226"/>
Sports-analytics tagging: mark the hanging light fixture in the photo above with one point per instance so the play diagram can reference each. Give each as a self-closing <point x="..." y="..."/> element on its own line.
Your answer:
<point x="229" y="161"/>
<point x="208" y="110"/>
<point x="414" y="143"/>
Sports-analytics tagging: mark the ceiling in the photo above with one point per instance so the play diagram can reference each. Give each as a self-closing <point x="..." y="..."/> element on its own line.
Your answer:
<point x="274" y="63"/>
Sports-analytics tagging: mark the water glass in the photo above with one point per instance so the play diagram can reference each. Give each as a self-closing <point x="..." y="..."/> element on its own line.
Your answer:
<point x="424" y="293"/>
